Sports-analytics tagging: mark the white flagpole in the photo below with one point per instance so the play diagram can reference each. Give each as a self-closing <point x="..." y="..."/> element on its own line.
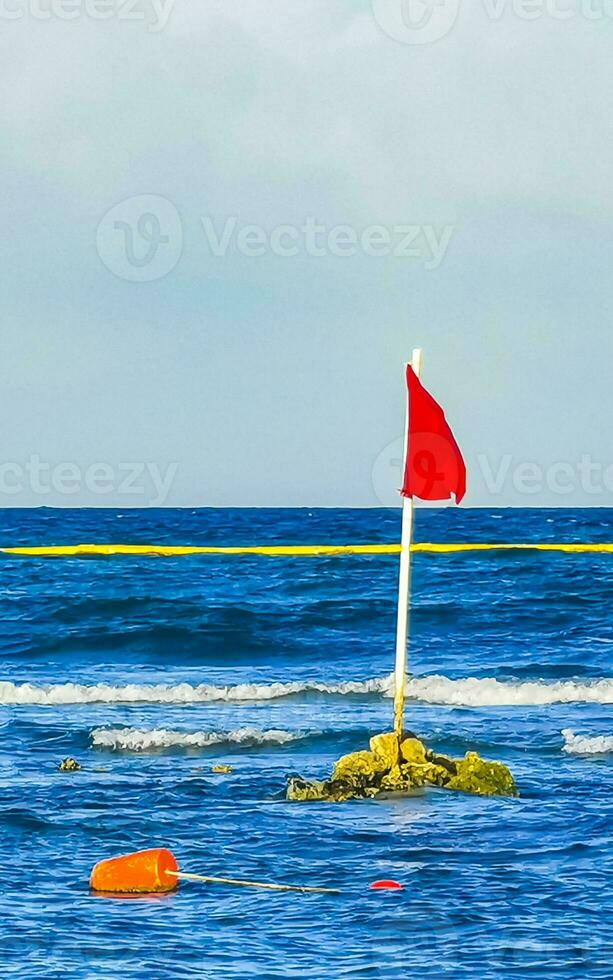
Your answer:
<point x="404" y="584"/>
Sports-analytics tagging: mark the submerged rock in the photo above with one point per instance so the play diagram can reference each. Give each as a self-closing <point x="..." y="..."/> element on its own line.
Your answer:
<point x="413" y="751"/>
<point x="69" y="765"/>
<point x="334" y="791"/>
<point x="356" y="765"/>
<point x="476" y="775"/>
<point x="391" y="766"/>
<point x="386" y="750"/>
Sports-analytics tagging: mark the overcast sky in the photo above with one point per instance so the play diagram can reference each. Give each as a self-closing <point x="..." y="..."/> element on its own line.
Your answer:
<point x="226" y="225"/>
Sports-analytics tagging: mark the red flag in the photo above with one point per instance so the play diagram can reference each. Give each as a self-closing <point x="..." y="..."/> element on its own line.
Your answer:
<point x="434" y="468"/>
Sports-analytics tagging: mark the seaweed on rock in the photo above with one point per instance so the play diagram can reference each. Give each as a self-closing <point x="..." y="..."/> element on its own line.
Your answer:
<point x="401" y="766"/>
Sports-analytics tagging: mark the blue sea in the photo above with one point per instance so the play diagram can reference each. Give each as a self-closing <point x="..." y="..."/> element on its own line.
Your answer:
<point x="150" y="671"/>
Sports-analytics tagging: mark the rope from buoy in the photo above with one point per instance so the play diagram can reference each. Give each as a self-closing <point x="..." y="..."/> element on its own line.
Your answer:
<point x="187" y="876"/>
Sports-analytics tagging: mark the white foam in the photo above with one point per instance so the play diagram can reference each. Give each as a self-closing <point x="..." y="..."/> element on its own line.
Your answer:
<point x="585" y="744"/>
<point x="484" y="692"/>
<point x="56" y="694"/>
<point x="437" y="689"/>
<point x="135" y="740"/>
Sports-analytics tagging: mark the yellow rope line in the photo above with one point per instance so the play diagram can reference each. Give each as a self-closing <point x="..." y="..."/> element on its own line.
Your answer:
<point x="168" y="551"/>
<point x="567" y="548"/>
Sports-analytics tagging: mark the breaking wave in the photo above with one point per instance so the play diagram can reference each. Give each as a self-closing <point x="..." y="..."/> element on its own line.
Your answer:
<point x="466" y="692"/>
<point x="586" y="744"/>
<point x="135" y="740"/>
<point x="474" y="692"/>
<point x="178" y="693"/>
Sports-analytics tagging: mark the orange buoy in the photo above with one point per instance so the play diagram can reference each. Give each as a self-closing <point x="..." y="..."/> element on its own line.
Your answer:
<point x="142" y="873"/>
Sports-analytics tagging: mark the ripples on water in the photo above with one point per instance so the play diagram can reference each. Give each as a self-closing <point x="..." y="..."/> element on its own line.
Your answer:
<point x="150" y="671"/>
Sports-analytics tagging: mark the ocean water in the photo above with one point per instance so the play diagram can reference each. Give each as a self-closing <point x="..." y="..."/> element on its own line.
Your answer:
<point x="150" y="671"/>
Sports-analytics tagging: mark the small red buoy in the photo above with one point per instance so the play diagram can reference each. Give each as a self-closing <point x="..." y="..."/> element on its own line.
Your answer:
<point x="387" y="886"/>
<point x="142" y="873"/>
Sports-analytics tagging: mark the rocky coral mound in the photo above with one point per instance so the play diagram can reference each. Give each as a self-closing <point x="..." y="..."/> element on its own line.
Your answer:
<point x="392" y="766"/>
